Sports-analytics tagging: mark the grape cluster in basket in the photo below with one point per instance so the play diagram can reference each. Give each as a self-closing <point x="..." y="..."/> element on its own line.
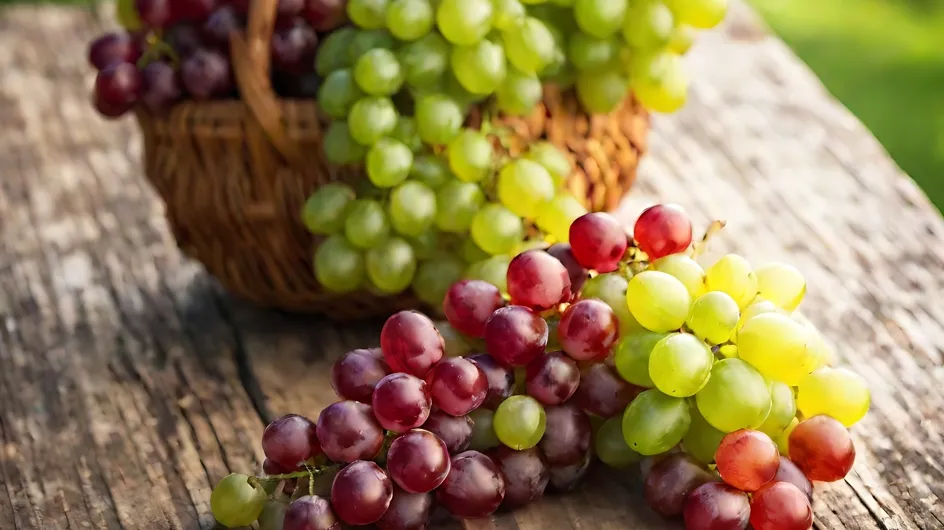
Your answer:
<point x="612" y="348"/>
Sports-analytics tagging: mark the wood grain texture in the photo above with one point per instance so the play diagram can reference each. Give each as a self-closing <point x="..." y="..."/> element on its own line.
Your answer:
<point x="129" y="384"/>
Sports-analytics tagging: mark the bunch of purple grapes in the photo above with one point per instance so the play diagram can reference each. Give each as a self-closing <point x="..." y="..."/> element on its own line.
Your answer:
<point x="180" y="49"/>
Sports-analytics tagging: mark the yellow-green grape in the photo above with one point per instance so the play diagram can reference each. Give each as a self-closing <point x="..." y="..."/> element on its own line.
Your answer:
<point x="410" y="19"/>
<point x="425" y="245"/>
<point x="648" y="25"/>
<point x="611" y="447"/>
<point x="457" y="202"/>
<point x="658" y="301"/>
<point x="836" y="392"/>
<point x="783" y="408"/>
<point x="820" y="353"/>
<point x="683" y="36"/>
<point x="660" y="82"/>
<point x="714" y="317"/>
<point x="454" y="343"/>
<point x="526" y="245"/>
<point x="435" y="276"/>
<point x="339" y="265"/>
<point x="365" y="189"/>
<point x="406" y="133"/>
<point x="412" y="208"/>
<point x="508" y="14"/>
<point x="339" y="147"/>
<point x="702" y="14"/>
<point x="654" y="422"/>
<point x="728" y="350"/>
<point x="334" y="51"/>
<point x="371" y="119"/>
<point x="235" y="502"/>
<point x="524" y="187"/>
<point x="127" y="14"/>
<point x="430" y="170"/>
<point x="783" y="439"/>
<point x="519" y="93"/>
<point x="556" y="216"/>
<point x="366" y="223"/>
<point x="378" y="73"/>
<point x="777" y="346"/>
<point x="438" y="119"/>
<point x="493" y="270"/>
<point x="611" y="289"/>
<point x="496" y="229"/>
<point x="736" y="397"/>
<point x="424" y="61"/>
<point x="600" y="18"/>
<point x="338" y="93"/>
<point x="367" y="39"/>
<point x="782" y="284"/>
<point x="680" y="364"/>
<point x="686" y="270"/>
<point x="391" y="265"/>
<point x="471" y="156"/>
<point x="368" y="14"/>
<point x="702" y="440"/>
<point x="758" y="307"/>
<point x="480" y="67"/>
<point x="601" y="91"/>
<point x="324" y="211"/>
<point x="732" y="274"/>
<point x="555" y="161"/>
<point x="587" y="52"/>
<point x="388" y="162"/>
<point x="464" y="22"/>
<point x="631" y="357"/>
<point x="520" y="422"/>
<point x="483" y="430"/>
<point x="530" y="46"/>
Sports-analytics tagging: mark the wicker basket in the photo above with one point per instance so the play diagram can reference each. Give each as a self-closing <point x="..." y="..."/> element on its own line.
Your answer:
<point x="234" y="175"/>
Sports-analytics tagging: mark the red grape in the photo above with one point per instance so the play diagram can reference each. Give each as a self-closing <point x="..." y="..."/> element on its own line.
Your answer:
<point x="241" y="6"/>
<point x="474" y="488"/>
<point x="526" y="474"/>
<point x="457" y="386"/>
<point x="271" y="467"/>
<point x="822" y="447"/>
<point x="206" y="74"/>
<point x="455" y="432"/>
<point x="781" y="506"/>
<point x="117" y="89"/>
<point x="469" y="303"/>
<point x="603" y="392"/>
<point x="112" y="49"/>
<point x="325" y="15"/>
<point x="310" y="513"/>
<point x="578" y="274"/>
<point x="288" y="10"/>
<point x="161" y="87"/>
<point x="598" y="241"/>
<point x="566" y="478"/>
<point x="789" y="472"/>
<point x="671" y="480"/>
<point x="290" y="440"/>
<point x="401" y="402"/>
<point x="156" y="14"/>
<point x="747" y="459"/>
<point x="221" y="25"/>
<point x="418" y="461"/>
<point x="552" y="378"/>
<point x="192" y="10"/>
<point x="407" y="511"/>
<point x="348" y="431"/>
<point x="355" y="374"/>
<point x="588" y="330"/>
<point x="501" y="379"/>
<point x="538" y="280"/>
<point x="293" y="48"/>
<point x="411" y="343"/>
<point x="566" y="439"/>
<point x="185" y="39"/>
<point x="361" y="493"/>
<point x="717" y="506"/>
<point x="515" y="335"/>
<point x="663" y="229"/>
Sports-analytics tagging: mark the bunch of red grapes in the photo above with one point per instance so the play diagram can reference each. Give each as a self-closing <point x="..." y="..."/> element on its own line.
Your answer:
<point x="182" y="51"/>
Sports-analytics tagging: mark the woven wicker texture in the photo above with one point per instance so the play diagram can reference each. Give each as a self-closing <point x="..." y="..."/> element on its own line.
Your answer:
<point x="234" y="176"/>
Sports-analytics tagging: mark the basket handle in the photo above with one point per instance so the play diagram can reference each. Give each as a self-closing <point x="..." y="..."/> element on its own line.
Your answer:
<point x="251" y="57"/>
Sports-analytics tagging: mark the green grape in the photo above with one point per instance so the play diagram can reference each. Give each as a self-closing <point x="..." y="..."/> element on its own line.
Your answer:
<point x="557" y="16"/>
<point x="338" y="93"/>
<point x="273" y="514"/>
<point x="519" y="422"/>
<point x="507" y="14"/>
<point x="782" y="284"/>
<point x="410" y="19"/>
<point x="587" y="52"/>
<point x="736" y="397"/>
<point x="368" y="14"/>
<point x="661" y="84"/>
<point x="457" y="202"/>
<point x="126" y="13"/>
<point x="533" y="2"/>
<point x="412" y="208"/>
<point x="702" y="440"/>
<point x="483" y="430"/>
<point x="365" y="189"/>
<point x="658" y="301"/>
<point x="519" y="93"/>
<point x="611" y="289"/>
<point x="391" y="265"/>
<point x="496" y="229"/>
<point x="758" y="307"/>
<point x="493" y="270"/>
<point x="530" y="46"/>
<point x="601" y="91"/>
<point x="836" y="392"/>
<point x="388" y="163"/>
<point x="648" y="25"/>
<point x="425" y="245"/>
<point x="454" y="343"/>
<point x="334" y="51"/>
<point x="732" y="274"/>
<point x="235" y="502"/>
<point x="425" y="61"/>
<point x="611" y="447"/>
<point x="406" y="133"/>
<point x="777" y="346"/>
<point x="470" y="252"/>
<point x="454" y="90"/>
<point x="783" y="408"/>
<point x="702" y="14"/>
<point x="783" y="439"/>
<point x="683" y="36"/>
<point x="464" y="22"/>
<point x="680" y="364"/>
<point x="563" y="3"/>
<point x="556" y="216"/>
<point x="714" y="317"/>
<point x="368" y="39"/>
<point x="554" y="160"/>
<point x="339" y="147"/>
<point x="686" y="270"/>
<point x="600" y="18"/>
<point x="435" y="276"/>
<point x="430" y="170"/>
<point x="654" y="422"/>
<point x="471" y="156"/>
<point x="438" y="118"/>
<point x="366" y="223"/>
<point x="524" y="187"/>
<point x="632" y="357"/>
<point x="371" y="119"/>
<point x="479" y="67"/>
<point x="378" y="72"/>
<point x="339" y="266"/>
<point x="324" y="211"/>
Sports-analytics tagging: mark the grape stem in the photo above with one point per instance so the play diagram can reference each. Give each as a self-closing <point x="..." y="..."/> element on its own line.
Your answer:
<point x="713" y="229"/>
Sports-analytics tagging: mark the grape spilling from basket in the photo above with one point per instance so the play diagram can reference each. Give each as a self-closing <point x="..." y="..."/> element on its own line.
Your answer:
<point x="612" y="348"/>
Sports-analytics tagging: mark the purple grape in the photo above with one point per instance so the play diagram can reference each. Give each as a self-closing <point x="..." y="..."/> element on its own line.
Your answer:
<point x="161" y="87"/>
<point x="789" y="472"/>
<point x="418" y="461"/>
<point x="192" y="10"/>
<point x="185" y="39"/>
<point x="112" y="49"/>
<point x="474" y="488"/>
<point x="603" y="392"/>
<point x="361" y="493"/>
<point x="348" y="431"/>
<point x="566" y="478"/>
<point x="401" y="402"/>
<point x="671" y="480"/>
<point x="310" y="513"/>
<point x="293" y="48"/>
<point x="117" y="89"/>
<point x="411" y="343"/>
<point x="501" y="379"/>
<point x="155" y="14"/>
<point x="567" y="437"/>
<point x="407" y="511"/>
<point x="221" y="25"/>
<point x="578" y="274"/>
<point x="552" y="378"/>
<point x="356" y="373"/>
<point x="526" y="474"/>
<point x="325" y="15"/>
<point x="290" y="441"/>
<point x="716" y="505"/>
<point x="515" y="335"/>
<point x="206" y="74"/>
<point x="458" y="386"/>
<point x="455" y="432"/>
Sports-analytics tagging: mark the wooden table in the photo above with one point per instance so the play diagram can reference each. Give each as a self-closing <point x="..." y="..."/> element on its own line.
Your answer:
<point x="129" y="384"/>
